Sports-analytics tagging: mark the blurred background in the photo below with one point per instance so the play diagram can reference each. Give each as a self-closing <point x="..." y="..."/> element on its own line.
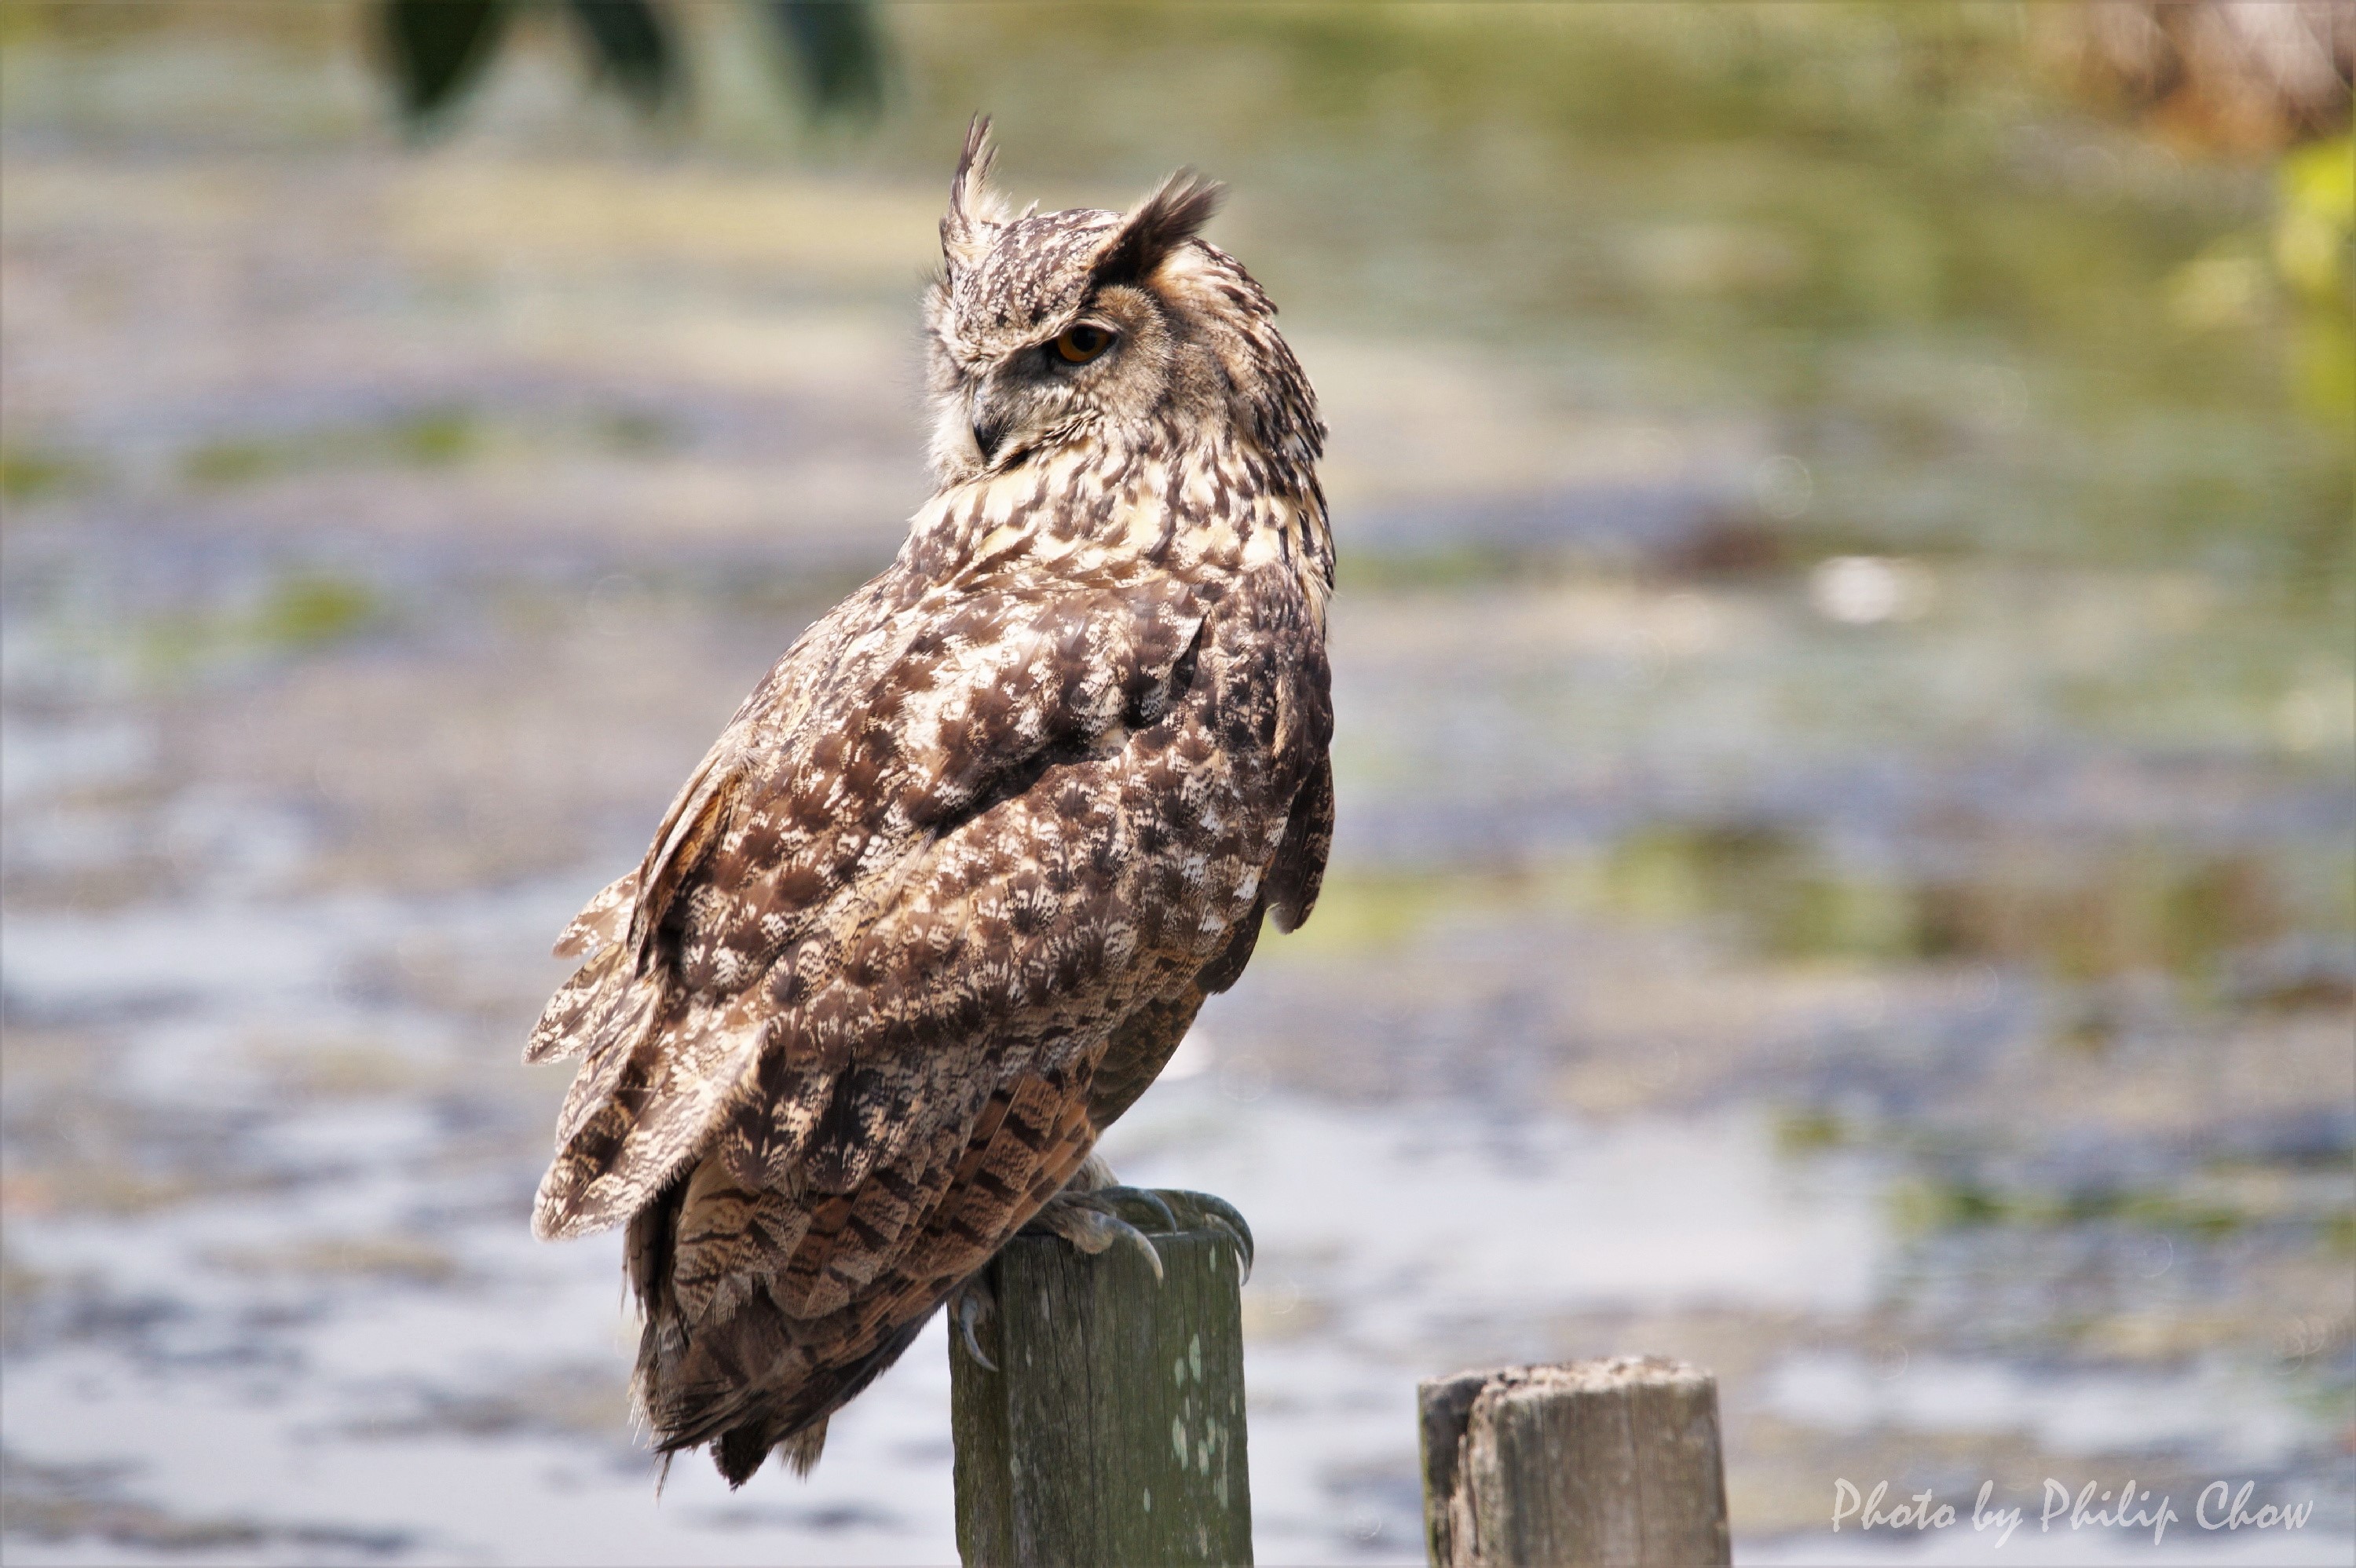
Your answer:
<point x="1846" y="663"/>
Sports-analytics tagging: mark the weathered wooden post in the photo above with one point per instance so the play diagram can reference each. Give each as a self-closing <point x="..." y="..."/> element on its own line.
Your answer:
<point x="1612" y="1464"/>
<point x="1112" y="1431"/>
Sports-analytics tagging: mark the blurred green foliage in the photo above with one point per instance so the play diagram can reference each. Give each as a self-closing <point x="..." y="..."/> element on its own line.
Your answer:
<point x="1929" y="1204"/>
<point x="436" y="438"/>
<point x="300" y="610"/>
<point x="310" y="611"/>
<point x="2315" y="249"/>
<point x="2156" y="907"/>
<point x="32" y="473"/>
<point x="428" y="438"/>
<point x="437" y="51"/>
<point x="2315" y="220"/>
<point x="1988" y="317"/>
<point x="2118" y="908"/>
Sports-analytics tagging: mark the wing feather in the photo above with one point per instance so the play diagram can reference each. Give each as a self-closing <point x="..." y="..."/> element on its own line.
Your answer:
<point x="845" y="1045"/>
<point x="636" y="1112"/>
<point x="580" y="1018"/>
<point x="778" y="1347"/>
<point x="602" y="921"/>
<point x="869" y="891"/>
<point x="1299" y="869"/>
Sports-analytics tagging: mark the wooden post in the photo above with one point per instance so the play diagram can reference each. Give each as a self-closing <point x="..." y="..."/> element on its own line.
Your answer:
<point x="1612" y="1462"/>
<point x="1113" y="1431"/>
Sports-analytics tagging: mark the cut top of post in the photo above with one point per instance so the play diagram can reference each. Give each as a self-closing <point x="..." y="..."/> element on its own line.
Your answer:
<point x="1604" y="1462"/>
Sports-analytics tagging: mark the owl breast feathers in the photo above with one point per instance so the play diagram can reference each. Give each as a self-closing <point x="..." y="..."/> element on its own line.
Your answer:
<point x="949" y="887"/>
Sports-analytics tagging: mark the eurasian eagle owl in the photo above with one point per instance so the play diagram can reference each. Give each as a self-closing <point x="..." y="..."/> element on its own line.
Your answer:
<point x="946" y="893"/>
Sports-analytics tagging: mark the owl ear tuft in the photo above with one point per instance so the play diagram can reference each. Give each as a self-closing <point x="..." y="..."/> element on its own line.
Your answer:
<point x="974" y="207"/>
<point x="1160" y="223"/>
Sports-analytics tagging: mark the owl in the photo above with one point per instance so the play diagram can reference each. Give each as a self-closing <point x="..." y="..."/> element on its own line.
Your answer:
<point x="949" y="887"/>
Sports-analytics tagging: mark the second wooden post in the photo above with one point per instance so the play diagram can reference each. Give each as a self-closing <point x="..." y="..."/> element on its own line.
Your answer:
<point x="1608" y="1464"/>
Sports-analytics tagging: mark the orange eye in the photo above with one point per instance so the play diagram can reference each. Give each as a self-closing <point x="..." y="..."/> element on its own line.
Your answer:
<point x="1082" y="343"/>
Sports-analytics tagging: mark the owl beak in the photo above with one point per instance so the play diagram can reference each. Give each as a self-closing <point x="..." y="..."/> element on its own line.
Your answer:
<point x="987" y="435"/>
<point x="989" y="425"/>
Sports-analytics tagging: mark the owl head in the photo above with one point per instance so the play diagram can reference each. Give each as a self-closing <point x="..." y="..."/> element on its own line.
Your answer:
<point x="1049" y="329"/>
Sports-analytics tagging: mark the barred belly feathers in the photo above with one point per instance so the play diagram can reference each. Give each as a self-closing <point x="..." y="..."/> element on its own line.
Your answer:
<point x="950" y="886"/>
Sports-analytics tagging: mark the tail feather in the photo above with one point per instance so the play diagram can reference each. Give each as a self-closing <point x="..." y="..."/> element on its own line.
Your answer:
<point x="583" y="1016"/>
<point x="637" y="1115"/>
<point x="750" y="1345"/>
<point x="602" y="921"/>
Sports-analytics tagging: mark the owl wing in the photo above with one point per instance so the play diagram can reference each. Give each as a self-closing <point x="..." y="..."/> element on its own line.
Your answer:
<point x="978" y="839"/>
<point x="891" y="928"/>
<point x="770" y="1302"/>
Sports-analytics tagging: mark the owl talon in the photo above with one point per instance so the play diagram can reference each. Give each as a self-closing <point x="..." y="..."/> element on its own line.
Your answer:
<point x="1243" y="1246"/>
<point x="1143" y="1242"/>
<point x="973" y="1305"/>
<point x="1219" y="1214"/>
<point x="1113" y="1198"/>
<point x="1112" y="1228"/>
<point x="1092" y="1229"/>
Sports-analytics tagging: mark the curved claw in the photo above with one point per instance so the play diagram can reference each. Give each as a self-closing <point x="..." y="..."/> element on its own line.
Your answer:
<point x="1144" y="1197"/>
<point x="1092" y="1227"/>
<point x="1123" y="1231"/>
<point x="1243" y="1246"/>
<point x="969" y="1312"/>
<point x="1225" y="1216"/>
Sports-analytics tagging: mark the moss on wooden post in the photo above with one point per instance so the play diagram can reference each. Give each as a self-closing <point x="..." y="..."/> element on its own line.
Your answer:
<point x="1605" y="1463"/>
<point x="1113" y="1431"/>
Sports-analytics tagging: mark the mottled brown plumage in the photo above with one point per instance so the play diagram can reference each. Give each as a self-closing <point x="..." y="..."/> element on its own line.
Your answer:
<point x="951" y="885"/>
